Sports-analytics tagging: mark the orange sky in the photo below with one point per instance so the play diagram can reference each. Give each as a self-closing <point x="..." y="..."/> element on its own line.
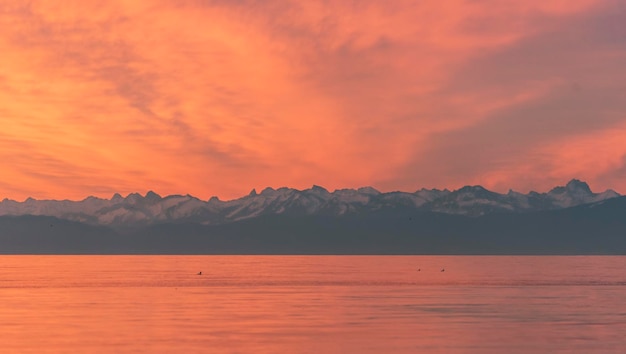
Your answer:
<point x="219" y="97"/>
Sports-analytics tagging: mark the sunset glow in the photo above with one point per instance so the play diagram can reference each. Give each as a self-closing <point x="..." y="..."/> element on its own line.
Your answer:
<point x="214" y="98"/>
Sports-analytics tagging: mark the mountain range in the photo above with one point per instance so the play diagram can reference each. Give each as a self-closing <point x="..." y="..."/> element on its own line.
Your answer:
<point x="568" y="219"/>
<point x="136" y="210"/>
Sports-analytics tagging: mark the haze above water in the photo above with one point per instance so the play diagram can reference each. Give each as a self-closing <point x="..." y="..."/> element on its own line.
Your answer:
<point x="313" y="304"/>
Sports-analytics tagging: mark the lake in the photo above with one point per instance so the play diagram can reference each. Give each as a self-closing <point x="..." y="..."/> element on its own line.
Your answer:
<point x="313" y="304"/>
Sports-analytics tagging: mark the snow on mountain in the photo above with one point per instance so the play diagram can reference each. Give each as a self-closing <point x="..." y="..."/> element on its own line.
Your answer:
<point x="136" y="209"/>
<point x="575" y="193"/>
<point x="471" y="200"/>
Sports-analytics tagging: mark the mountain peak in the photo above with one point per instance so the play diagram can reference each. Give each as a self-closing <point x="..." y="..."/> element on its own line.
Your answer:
<point x="577" y="185"/>
<point x="318" y="189"/>
<point x="152" y="196"/>
<point x="252" y="193"/>
<point x="267" y="190"/>
<point x="473" y="189"/>
<point x="368" y="190"/>
<point x="573" y="187"/>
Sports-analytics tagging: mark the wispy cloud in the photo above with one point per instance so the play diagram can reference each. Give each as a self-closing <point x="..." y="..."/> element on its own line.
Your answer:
<point x="217" y="97"/>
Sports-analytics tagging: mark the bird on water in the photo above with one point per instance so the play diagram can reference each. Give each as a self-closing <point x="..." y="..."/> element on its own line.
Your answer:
<point x="199" y="273"/>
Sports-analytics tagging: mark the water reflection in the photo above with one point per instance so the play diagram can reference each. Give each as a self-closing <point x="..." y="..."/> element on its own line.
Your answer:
<point x="339" y="304"/>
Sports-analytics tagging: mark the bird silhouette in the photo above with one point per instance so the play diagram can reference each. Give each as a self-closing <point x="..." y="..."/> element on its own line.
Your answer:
<point x="199" y="273"/>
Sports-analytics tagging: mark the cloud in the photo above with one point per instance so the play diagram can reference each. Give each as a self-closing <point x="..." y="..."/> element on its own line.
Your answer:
<point x="559" y="84"/>
<point x="217" y="97"/>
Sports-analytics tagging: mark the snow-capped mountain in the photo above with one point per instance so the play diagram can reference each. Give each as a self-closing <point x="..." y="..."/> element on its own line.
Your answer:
<point x="136" y="209"/>
<point x="476" y="200"/>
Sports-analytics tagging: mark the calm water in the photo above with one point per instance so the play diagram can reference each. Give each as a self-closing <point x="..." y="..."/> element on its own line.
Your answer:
<point x="312" y="304"/>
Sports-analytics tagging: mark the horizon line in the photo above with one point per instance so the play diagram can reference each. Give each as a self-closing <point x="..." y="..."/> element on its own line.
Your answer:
<point x="254" y="192"/>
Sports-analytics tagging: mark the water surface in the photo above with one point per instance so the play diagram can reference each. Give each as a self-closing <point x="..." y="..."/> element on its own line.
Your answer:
<point x="312" y="304"/>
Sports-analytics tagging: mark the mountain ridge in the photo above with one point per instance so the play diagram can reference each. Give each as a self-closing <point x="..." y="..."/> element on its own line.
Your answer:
<point x="588" y="229"/>
<point x="137" y="210"/>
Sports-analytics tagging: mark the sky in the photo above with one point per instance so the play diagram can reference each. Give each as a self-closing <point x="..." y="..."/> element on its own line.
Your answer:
<point x="214" y="98"/>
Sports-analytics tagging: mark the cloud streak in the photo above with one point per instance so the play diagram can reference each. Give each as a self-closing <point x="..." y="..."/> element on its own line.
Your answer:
<point x="215" y="98"/>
